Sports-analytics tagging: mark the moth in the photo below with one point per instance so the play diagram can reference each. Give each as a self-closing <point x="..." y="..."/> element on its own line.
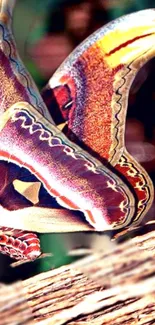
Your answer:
<point x="63" y="162"/>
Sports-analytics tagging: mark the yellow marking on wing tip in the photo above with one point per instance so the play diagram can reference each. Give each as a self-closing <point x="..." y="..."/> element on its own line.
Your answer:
<point x="30" y="190"/>
<point x="127" y="53"/>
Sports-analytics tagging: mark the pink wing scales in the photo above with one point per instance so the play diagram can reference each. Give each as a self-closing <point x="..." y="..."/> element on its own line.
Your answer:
<point x="76" y="179"/>
<point x="98" y="76"/>
<point x="141" y="183"/>
<point x="16" y="85"/>
<point x="89" y="83"/>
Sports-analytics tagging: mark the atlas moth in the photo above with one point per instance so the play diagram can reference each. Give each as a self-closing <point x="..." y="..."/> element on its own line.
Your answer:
<point x="81" y="179"/>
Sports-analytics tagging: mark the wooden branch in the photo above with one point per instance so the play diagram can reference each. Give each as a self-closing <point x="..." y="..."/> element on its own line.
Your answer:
<point x="116" y="287"/>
